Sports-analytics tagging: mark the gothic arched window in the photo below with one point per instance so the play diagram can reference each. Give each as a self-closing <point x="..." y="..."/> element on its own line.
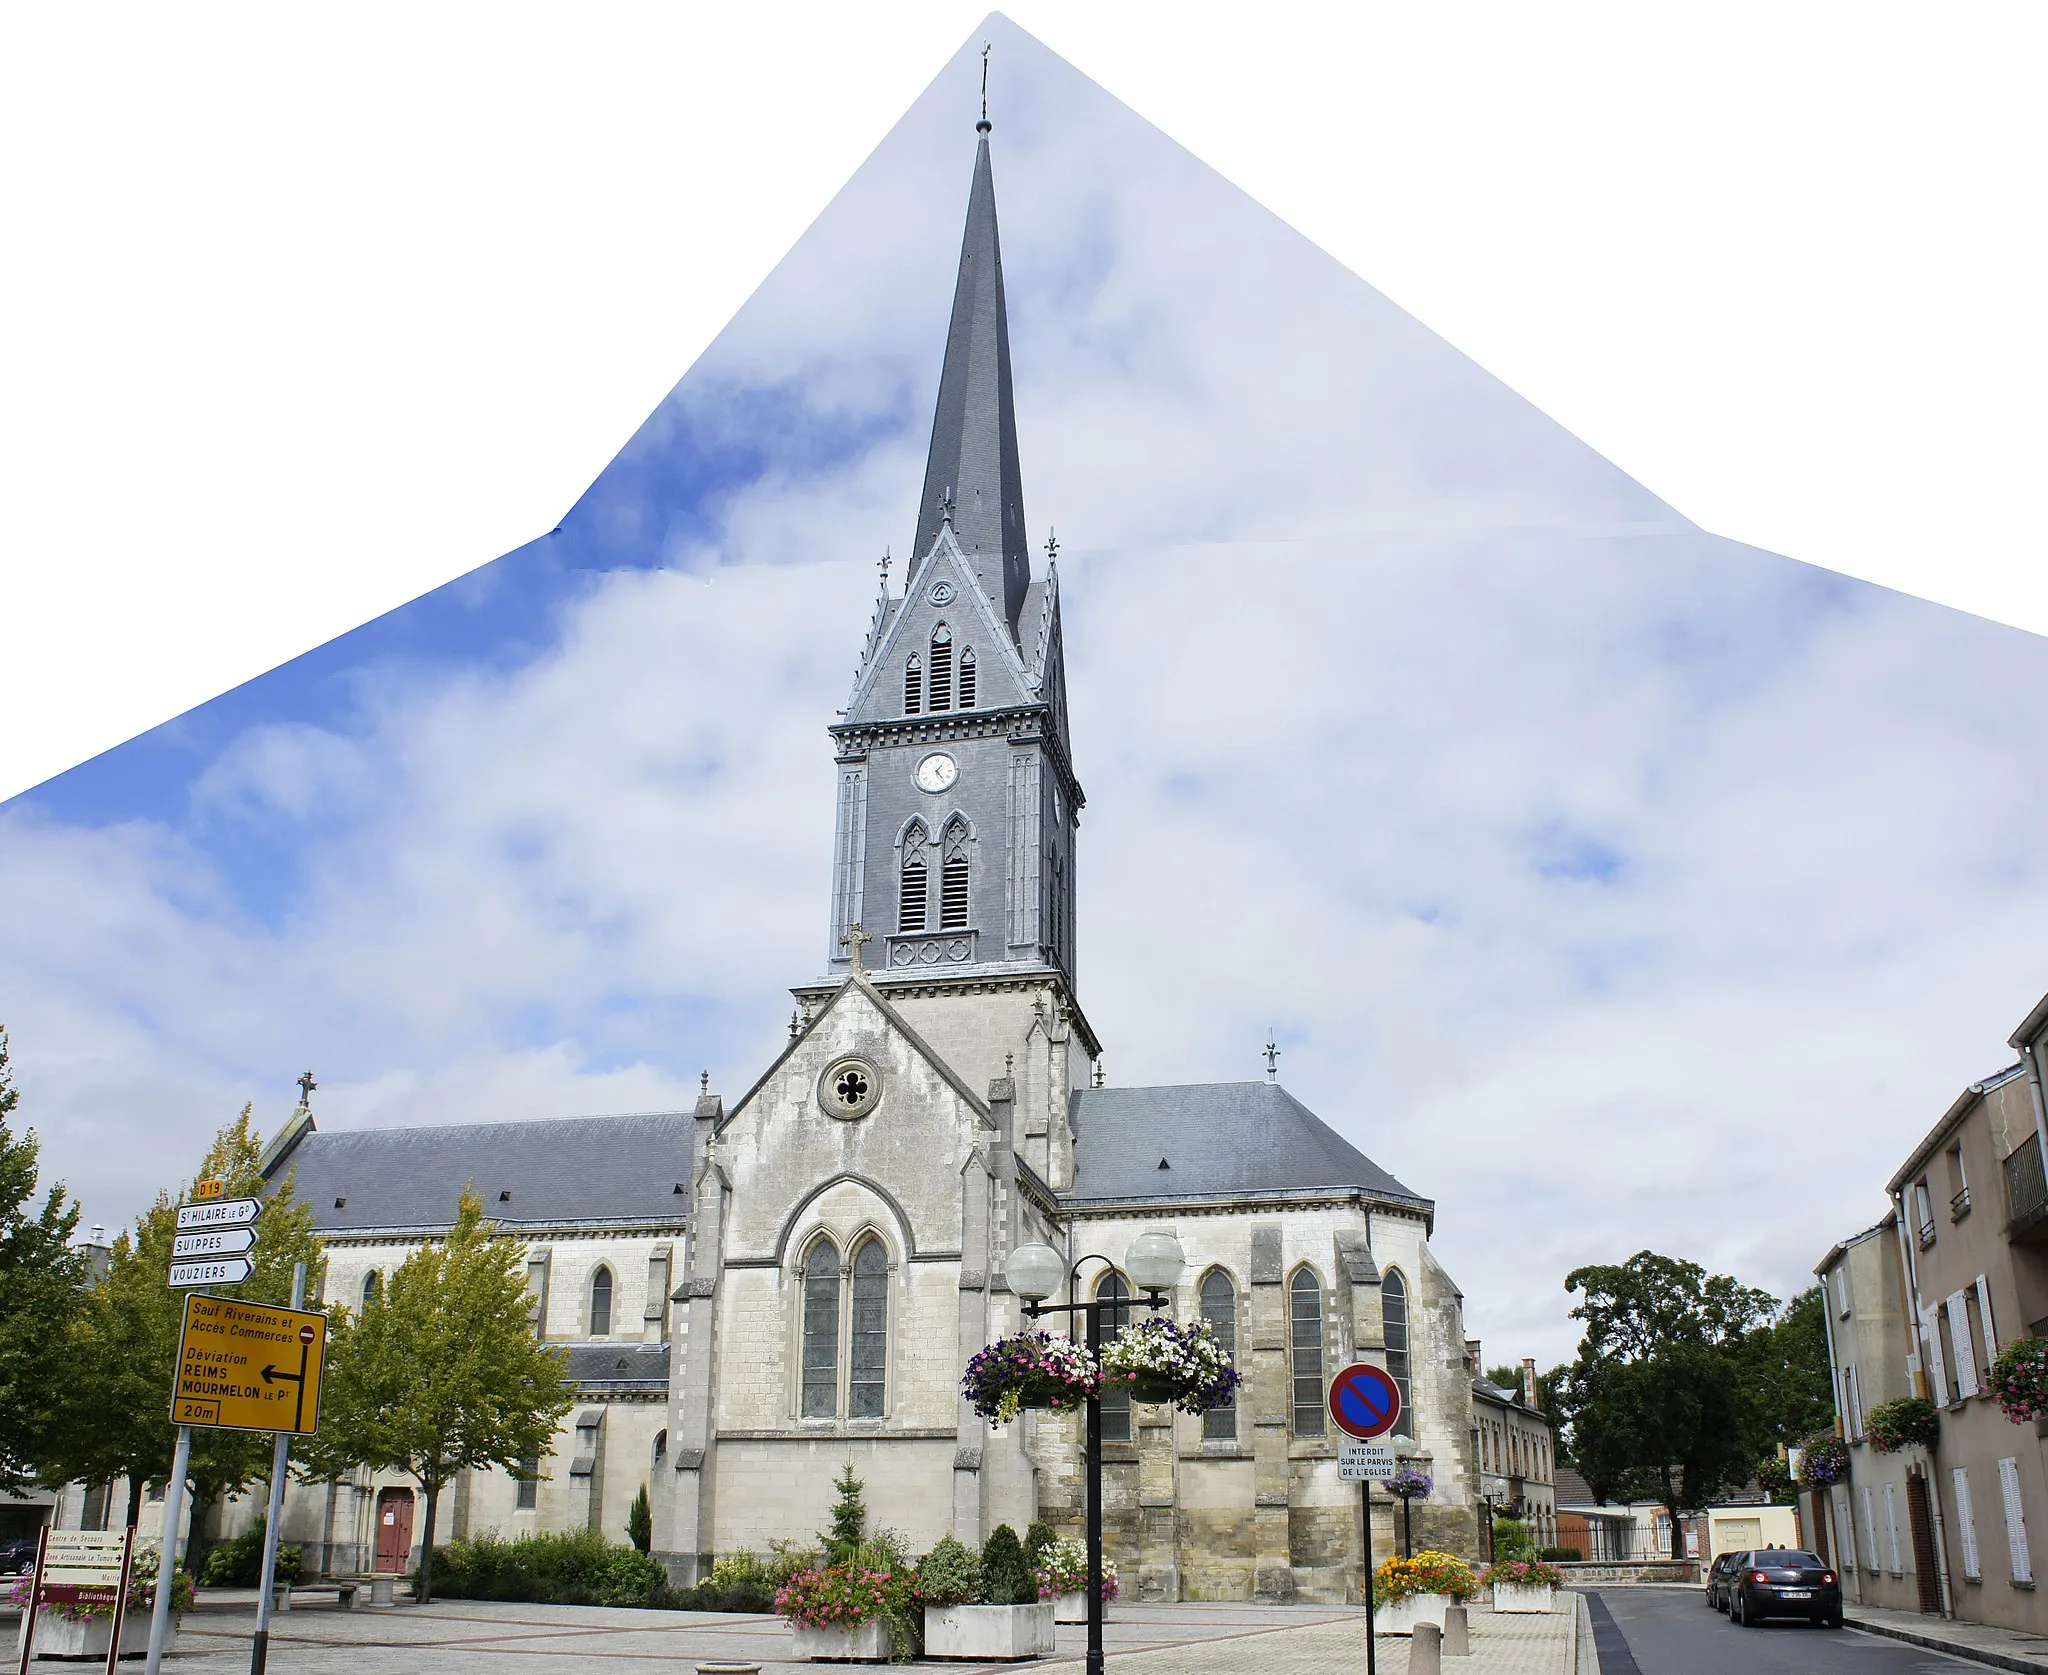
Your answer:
<point x="942" y="668"/>
<point x="1305" y="1318"/>
<point x="1394" y="1312"/>
<point x="1219" y="1310"/>
<point x="967" y="678"/>
<point x="953" y="879"/>
<point x="913" y="686"/>
<point x="915" y="896"/>
<point x="1116" y="1405"/>
<point x="372" y="1284"/>
<point x="601" y="1303"/>
<point x="870" y="1358"/>
<point x="821" y="1331"/>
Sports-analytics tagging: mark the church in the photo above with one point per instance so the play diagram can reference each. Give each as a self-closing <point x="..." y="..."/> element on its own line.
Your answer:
<point x="792" y="1276"/>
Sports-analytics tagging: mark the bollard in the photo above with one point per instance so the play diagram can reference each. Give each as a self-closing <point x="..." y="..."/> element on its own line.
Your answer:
<point x="382" y="1590"/>
<point x="1457" y="1632"/>
<point x="1426" y="1650"/>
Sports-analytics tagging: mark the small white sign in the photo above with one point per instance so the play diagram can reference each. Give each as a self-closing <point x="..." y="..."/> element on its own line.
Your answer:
<point x="225" y="1241"/>
<point x="230" y="1272"/>
<point x="1364" y="1462"/>
<point x="222" y="1212"/>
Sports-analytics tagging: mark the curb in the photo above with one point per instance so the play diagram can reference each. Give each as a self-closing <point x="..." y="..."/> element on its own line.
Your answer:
<point x="1931" y="1643"/>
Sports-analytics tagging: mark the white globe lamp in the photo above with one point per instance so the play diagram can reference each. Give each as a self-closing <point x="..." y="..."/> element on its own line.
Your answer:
<point x="1034" y="1272"/>
<point x="1155" y="1261"/>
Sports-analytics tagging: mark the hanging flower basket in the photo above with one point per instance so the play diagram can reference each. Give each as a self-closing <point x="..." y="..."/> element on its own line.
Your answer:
<point x="1163" y="1361"/>
<point x="1824" y="1459"/>
<point x="1029" y="1369"/>
<point x="1910" y="1420"/>
<point x="1410" y="1484"/>
<point x="2019" y="1379"/>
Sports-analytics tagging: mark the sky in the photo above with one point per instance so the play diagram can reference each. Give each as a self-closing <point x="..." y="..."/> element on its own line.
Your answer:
<point x="1611" y="883"/>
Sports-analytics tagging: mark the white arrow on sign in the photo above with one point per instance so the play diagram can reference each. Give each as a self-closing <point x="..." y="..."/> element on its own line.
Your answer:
<point x="222" y="1212"/>
<point x="232" y="1271"/>
<point x="228" y="1241"/>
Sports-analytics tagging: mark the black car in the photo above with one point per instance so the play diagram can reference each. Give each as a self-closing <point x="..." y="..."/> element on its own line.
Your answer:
<point x="1719" y="1575"/>
<point x="17" y="1555"/>
<point x="1784" y="1582"/>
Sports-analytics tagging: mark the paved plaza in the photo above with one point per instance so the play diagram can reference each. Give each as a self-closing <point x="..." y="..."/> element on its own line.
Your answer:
<point x="454" y="1636"/>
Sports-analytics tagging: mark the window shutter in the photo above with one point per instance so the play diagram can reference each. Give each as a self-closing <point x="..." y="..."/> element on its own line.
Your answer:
<point x="953" y="880"/>
<point x="1869" y="1530"/>
<point x="1891" y="1527"/>
<point x="2015" y="1520"/>
<point x="1937" y="1368"/>
<point x="1959" y="1335"/>
<point x="1984" y="1318"/>
<point x="941" y="687"/>
<point x="913" y="687"/>
<point x="1845" y="1529"/>
<point x="1966" y="1524"/>
<point x="967" y="679"/>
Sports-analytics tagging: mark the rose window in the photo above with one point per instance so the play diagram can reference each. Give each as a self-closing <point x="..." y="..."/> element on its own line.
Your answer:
<point x="850" y="1089"/>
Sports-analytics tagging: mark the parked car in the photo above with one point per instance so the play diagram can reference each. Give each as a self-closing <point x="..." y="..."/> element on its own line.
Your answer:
<point x="1784" y="1582"/>
<point x="1719" y="1575"/>
<point x="18" y="1556"/>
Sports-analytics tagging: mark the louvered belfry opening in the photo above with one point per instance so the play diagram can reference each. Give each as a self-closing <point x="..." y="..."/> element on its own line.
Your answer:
<point x="913" y="687"/>
<point x="942" y="668"/>
<point x="953" y="880"/>
<point x="916" y="892"/>
<point x="967" y="678"/>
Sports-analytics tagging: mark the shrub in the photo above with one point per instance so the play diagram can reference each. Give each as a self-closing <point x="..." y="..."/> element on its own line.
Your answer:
<point x="744" y="1569"/>
<point x="1037" y="1539"/>
<point x="1064" y="1570"/>
<point x="949" y="1574"/>
<point x="752" y="1598"/>
<point x="838" y="1596"/>
<point x="1006" y="1577"/>
<point x="575" y="1567"/>
<point x="849" y="1518"/>
<point x="1563" y="1555"/>
<point x="1522" y="1573"/>
<point x="1910" y="1420"/>
<point x="1429" y="1572"/>
<point x="1512" y="1539"/>
<point x="787" y="1558"/>
<point x="239" y="1563"/>
<point x="640" y="1521"/>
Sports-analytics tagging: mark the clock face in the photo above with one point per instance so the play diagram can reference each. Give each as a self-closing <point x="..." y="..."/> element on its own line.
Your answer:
<point x="937" y="772"/>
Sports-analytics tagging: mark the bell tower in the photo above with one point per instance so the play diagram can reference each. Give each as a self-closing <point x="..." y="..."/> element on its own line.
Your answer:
<point x="958" y="804"/>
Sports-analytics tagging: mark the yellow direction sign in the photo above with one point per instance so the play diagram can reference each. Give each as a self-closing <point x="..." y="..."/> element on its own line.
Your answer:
<point x="207" y="1189"/>
<point x="249" y="1367"/>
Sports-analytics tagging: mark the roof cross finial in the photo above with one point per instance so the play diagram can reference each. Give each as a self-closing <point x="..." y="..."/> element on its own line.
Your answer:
<point x="704" y="1081"/>
<point x="984" y="125"/>
<point x="852" y="941"/>
<point x="1098" y="1073"/>
<point x="946" y="505"/>
<point x="1271" y="1054"/>
<point x="306" y="1087"/>
<point x="1052" y="545"/>
<point x="885" y="569"/>
<point x="792" y="1024"/>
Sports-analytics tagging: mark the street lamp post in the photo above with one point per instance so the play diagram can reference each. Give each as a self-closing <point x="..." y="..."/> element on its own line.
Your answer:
<point x="1154" y="1264"/>
<point x="1405" y="1452"/>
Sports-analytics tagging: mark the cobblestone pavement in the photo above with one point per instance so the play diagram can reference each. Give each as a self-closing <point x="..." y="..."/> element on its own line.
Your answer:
<point x="457" y="1636"/>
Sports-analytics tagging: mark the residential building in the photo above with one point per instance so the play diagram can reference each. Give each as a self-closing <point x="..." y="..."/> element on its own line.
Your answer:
<point x="1514" y="1448"/>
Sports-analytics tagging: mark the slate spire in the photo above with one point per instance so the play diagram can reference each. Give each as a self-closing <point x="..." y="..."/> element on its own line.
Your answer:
<point x="972" y="470"/>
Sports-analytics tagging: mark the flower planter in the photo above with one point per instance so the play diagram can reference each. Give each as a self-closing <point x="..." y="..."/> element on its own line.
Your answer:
<point x="1507" y="1596"/>
<point x="1073" y="1607"/>
<point x="1400" y="1616"/>
<point x="65" y="1637"/>
<point x="1154" y="1387"/>
<point x="868" y="1643"/>
<point x="989" y="1633"/>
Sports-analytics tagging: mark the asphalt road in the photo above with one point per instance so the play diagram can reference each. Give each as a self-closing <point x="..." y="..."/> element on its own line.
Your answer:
<point x="1669" y="1631"/>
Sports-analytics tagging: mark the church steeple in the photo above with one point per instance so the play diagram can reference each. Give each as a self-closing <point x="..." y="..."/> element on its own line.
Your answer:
<point x="972" y="470"/>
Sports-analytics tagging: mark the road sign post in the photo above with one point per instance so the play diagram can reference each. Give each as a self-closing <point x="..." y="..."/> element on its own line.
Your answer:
<point x="259" y="1651"/>
<point x="167" y="1559"/>
<point x="1365" y="1403"/>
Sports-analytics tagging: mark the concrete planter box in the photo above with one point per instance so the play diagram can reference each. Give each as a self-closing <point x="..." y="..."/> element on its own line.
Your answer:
<point x="1402" y="1616"/>
<point x="1073" y="1607"/>
<point x="1507" y="1596"/>
<point x="989" y="1633"/>
<point x="867" y="1644"/>
<point x="61" y="1637"/>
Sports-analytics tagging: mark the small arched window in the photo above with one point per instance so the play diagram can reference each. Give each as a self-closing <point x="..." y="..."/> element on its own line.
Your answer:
<point x="953" y="879"/>
<point x="601" y="1303"/>
<point x="373" y="1286"/>
<point x="660" y="1446"/>
<point x="941" y="688"/>
<point x="821" y="1331"/>
<point x="1219" y="1310"/>
<point x="870" y="1358"/>
<point x="1305" y="1318"/>
<point x="913" y="686"/>
<point x="1394" y="1312"/>
<point x="1116" y="1405"/>
<point x="914" y="898"/>
<point x="967" y="678"/>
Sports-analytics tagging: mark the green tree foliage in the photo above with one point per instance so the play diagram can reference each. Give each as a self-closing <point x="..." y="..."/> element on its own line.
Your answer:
<point x="1662" y="1402"/>
<point x="640" y="1521"/>
<point x="1508" y="1378"/>
<point x="1006" y="1577"/>
<point x="441" y="1373"/>
<point x="1789" y="1375"/>
<point x="1550" y="1403"/>
<point x="123" y="1341"/>
<point x="842" y="1542"/>
<point x="40" y="1277"/>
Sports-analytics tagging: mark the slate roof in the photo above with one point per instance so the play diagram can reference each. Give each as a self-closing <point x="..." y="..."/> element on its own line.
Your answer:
<point x="619" y="1366"/>
<point x="1219" y="1140"/>
<point x="617" y="1171"/>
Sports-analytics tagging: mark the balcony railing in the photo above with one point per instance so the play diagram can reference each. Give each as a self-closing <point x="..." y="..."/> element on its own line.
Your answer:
<point x="2026" y="1186"/>
<point x="1959" y="1206"/>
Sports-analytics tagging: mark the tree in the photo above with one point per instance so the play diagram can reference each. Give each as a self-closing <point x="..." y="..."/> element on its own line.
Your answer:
<point x="1508" y="1378"/>
<point x="1790" y="1375"/>
<point x="640" y="1521"/>
<point x="849" y="1519"/>
<point x="441" y="1372"/>
<point x="40" y="1278"/>
<point x="123" y="1340"/>
<point x="1661" y="1400"/>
